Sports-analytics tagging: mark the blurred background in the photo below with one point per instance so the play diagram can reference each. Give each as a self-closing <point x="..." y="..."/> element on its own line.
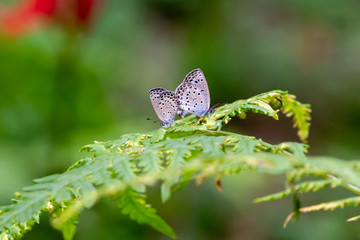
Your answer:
<point x="75" y="71"/>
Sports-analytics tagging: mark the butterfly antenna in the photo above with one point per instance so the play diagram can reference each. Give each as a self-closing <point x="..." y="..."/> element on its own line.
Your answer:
<point x="219" y="104"/>
<point x="212" y="109"/>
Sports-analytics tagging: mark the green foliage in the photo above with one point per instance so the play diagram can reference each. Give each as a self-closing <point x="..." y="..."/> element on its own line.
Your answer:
<point x="191" y="149"/>
<point x="133" y="204"/>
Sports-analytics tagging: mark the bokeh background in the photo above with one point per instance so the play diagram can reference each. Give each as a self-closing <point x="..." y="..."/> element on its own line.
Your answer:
<point x="75" y="71"/>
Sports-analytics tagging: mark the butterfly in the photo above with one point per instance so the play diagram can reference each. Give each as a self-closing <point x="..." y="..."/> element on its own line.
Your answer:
<point x="193" y="94"/>
<point x="165" y="105"/>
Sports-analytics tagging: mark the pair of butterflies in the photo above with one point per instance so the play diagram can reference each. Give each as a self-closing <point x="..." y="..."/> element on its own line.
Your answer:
<point x="191" y="96"/>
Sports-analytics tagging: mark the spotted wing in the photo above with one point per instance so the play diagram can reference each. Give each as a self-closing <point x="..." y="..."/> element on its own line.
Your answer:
<point x="192" y="99"/>
<point x="164" y="103"/>
<point x="197" y="78"/>
<point x="154" y="95"/>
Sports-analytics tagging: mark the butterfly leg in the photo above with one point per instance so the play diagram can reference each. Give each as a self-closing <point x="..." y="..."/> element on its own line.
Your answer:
<point x="181" y="113"/>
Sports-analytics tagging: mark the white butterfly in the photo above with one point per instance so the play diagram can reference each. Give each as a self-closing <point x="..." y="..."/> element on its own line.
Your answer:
<point x="193" y="94"/>
<point x="165" y="105"/>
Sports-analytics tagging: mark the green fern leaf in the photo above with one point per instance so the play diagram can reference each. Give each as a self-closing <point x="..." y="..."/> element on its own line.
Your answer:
<point x="337" y="168"/>
<point x="134" y="205"/>
<point x="68" y="228"/>
<point x="244" y="145"/>
<point x="261" y="107"/>
<point x="126" y="170"/>
<point x="121" y="164"/>
<point x="212" y="145"/>
<point x="301" y="188"/>
<point x="299" y="112"/>
<point x="353" y="201"/>
<point x="151" y="159"/>
<point x="178" y="150"/>
<point x="165" y="191"/>
<point x="158" y="135"/>
<point x="23" y="210"/>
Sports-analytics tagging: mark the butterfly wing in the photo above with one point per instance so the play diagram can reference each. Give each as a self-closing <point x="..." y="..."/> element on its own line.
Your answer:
<point x="193" y="94"/>
<point x="165" y="104"/>
<point x="154" y="95"/>
<point x="197" y="78"/>
<point x="191" y="99"/>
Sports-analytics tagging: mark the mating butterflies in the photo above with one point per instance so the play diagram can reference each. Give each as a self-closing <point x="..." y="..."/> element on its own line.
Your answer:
<point x="191" y="96"/>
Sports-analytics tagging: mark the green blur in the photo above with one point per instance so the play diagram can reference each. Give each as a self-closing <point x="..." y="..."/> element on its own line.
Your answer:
<point x="60" y="90"/>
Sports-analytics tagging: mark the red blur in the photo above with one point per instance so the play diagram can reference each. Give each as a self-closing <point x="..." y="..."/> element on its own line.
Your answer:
<point x="28" y="15"/>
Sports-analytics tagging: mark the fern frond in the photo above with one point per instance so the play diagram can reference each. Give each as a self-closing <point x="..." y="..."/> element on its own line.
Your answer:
<point x="134" y="205"/>
<point x="191" y="149"/>
<point x="303" y="187"/>
<point x="299" y="112"/>
<point x="262" y="104"/>
<point x="353" y="201"/>
<point x="67" y="228"/>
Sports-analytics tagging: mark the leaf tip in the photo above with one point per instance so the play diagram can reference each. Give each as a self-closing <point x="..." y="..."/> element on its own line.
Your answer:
<point x="219" y="185"/>
<point x="287" y="220"/>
